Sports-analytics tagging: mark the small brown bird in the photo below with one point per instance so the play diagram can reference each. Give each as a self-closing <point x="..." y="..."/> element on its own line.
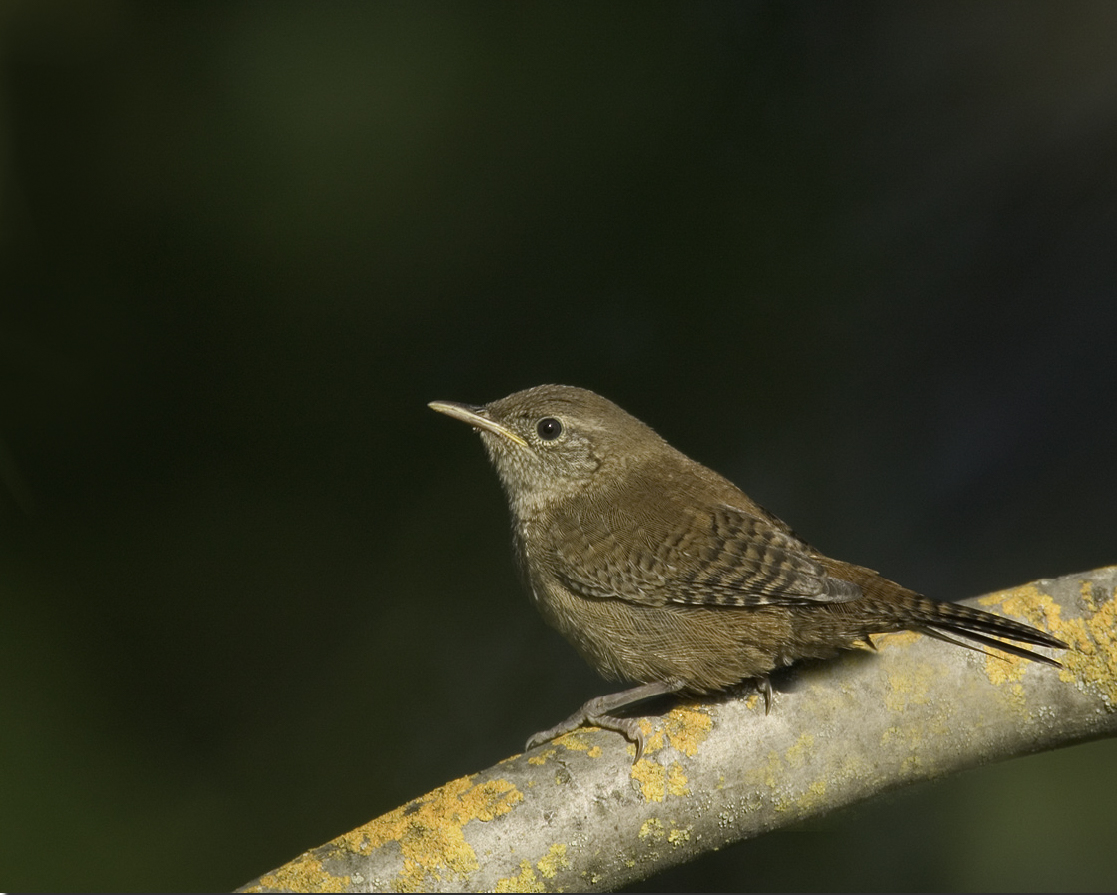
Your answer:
<point x="661" y="572"/>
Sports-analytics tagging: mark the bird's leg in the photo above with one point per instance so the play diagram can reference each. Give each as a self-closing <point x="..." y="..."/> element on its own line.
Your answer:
<point x="598" y="712"/>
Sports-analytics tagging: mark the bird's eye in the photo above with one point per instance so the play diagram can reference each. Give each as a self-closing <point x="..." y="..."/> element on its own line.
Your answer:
<point x="549" y="428"/>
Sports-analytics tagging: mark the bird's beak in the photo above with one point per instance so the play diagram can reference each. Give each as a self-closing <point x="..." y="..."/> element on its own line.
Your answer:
<point x="476" y="417"/>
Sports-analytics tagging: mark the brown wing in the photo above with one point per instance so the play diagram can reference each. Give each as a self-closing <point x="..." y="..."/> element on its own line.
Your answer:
<point x="720" y="556"/>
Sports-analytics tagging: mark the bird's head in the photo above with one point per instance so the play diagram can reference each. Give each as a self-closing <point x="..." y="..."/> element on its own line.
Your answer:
<point x="552" y="441"/>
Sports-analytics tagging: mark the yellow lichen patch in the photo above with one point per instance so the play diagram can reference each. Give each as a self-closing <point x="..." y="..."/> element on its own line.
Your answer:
<point x="304" y="874"/>
<point x="684" y="727"/>
<point x="909" y="686"/>
<point x="1092" y="654"/>
<point x="657" y="782"/>
<point x="687" y="728"/>
<point x="677" y="780"/>
<point x="897" y="638"/>
<point x="679" y="836"/>
<point x="575" y="743"/>
<point x="654" y="739"/>
<point x="1035" y="607"/>
<point x="906" y="740"/>
<point x="429" y="830"/>
<point x="541" y="759"/>
<point x="554" y="861"/>
<point x="1027" y="602"/>
<point x="800" y="753"/>
<point x="654" y="829"/>
<point x="774" y="775"/>
<point x="815" y="794"/>
<point x="527" y="881"/>
<point x="1092" y="658"/>
<point x="1001" y="668"/>
<point x="652" y="779"/>
<point x="906" y="737"/>
<point x="1007" y="672"/>
<point x="768" y="774"/>
<point x="524" y="881"/>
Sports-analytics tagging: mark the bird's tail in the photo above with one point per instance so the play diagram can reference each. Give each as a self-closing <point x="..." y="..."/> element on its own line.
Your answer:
<point x="948" y="621"/>
<point x="898" y="608"/>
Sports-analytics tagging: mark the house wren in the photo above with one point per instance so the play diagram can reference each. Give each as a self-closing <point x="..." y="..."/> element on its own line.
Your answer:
<point x="662" y="573"/>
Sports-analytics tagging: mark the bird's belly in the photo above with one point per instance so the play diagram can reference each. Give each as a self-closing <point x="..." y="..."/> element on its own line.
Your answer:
<point x="708" y="648"/>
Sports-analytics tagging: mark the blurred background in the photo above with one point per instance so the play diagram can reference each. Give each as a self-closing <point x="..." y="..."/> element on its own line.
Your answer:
<point x="859" y="258"/>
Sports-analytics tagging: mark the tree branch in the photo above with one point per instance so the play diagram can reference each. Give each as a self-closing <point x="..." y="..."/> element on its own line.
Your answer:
<point x="577" y="814"/>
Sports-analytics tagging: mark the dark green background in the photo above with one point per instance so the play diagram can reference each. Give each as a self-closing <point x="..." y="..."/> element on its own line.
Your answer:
<point x="862" y="259"/>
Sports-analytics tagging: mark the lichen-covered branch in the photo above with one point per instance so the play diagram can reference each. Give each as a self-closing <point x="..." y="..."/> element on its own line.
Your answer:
<point x="577" y="814"/>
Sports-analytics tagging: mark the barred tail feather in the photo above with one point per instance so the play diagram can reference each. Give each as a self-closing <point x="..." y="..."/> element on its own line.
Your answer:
<point x="941" y="620"/>
<point x="894" y="608"/>
<point x="1011" y="648"/>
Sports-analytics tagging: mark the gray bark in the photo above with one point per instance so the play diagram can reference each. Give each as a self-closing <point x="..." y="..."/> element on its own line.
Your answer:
<point x="576" y="814"/>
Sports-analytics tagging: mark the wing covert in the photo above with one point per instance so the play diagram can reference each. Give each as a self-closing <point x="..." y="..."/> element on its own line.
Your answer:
<point x="722" y="556"/>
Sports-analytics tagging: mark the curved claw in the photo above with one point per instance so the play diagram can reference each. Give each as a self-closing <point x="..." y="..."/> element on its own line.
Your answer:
<point x="764" y="685"/>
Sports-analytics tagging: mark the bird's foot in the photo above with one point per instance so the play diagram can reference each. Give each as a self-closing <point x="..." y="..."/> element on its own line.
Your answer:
<point x="598" y="712"/>
<point x="629" y="728"/>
